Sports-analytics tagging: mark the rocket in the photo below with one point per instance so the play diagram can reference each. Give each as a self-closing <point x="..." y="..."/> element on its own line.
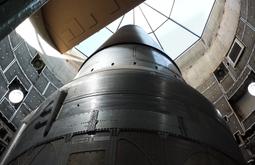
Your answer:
<point x="128" y="105"/>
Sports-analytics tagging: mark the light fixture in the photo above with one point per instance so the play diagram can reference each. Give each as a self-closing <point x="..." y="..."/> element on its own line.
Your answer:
<point x="38" y="63"/>
<point x="251" y="88"/>
<point x="16" y="96"/>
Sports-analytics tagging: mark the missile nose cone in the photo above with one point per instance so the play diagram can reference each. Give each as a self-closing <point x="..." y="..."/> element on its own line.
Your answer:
<point x="133" y="35"/>
<point x="130" y="34"/>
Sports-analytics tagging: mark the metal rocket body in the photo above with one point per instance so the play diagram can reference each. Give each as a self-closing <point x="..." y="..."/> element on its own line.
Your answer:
<point x="128" y="105"/>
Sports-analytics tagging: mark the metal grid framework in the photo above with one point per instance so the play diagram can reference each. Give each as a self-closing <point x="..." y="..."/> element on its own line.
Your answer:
<point x="175" y="25"/>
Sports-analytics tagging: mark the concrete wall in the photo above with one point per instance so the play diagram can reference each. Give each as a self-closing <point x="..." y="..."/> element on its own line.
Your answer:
<point x="16" y="56"/>
<point x="230" y="95"/>
<point x="198" y="63"/>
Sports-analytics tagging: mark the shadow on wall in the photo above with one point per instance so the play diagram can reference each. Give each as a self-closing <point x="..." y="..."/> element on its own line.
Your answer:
<point x="34" y="33"/>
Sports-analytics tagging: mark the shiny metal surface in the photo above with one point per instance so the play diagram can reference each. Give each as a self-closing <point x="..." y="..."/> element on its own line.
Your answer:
<point x="132" y="34"/>
<point x="122" y="109"/>
<point x="130" y="56"/>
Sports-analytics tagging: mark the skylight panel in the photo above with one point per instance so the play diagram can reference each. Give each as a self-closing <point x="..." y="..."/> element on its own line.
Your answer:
<point x="115" y="24"/>
<point x="141" y="21"/>
<point x="154" y="18"/>
<point x="91" y="44"/>
<point x="163" y="6"/>
<point x="174" y="38"/>
<point x="174" y="24"/>
<point x="192" y="14"/>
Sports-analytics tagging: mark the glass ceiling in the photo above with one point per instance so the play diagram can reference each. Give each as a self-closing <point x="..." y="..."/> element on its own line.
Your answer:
<point x="174" y="24"/>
